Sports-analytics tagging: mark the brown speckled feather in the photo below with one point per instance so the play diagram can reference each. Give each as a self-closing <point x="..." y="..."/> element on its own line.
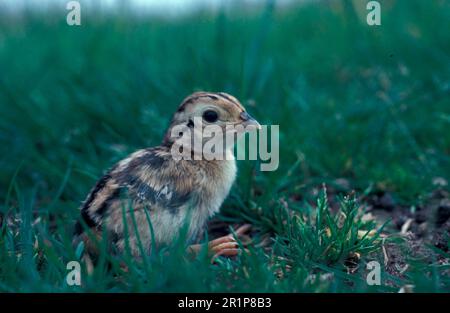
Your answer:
<point x="151" y="182"/>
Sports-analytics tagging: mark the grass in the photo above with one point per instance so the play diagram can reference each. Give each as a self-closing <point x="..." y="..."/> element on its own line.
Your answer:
<point x="366" y="104"/>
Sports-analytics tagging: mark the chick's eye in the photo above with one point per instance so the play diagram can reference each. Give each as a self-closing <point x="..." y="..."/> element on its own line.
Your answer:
<point x="210" y="116"/>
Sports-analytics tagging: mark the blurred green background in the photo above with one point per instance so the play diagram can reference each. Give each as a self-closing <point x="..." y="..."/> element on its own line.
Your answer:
<point x="365" y="104"/>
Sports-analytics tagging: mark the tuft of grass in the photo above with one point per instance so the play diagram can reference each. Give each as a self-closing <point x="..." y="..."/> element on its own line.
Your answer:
<point x="320" y="236"/>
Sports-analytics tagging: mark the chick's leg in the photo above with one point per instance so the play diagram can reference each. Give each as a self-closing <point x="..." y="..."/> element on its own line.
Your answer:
<point x="223" y="246"/>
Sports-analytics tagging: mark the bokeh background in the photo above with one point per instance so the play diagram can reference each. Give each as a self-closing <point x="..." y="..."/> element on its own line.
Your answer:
<point x="360" y="107"/>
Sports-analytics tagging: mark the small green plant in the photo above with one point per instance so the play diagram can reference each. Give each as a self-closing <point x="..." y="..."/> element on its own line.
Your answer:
<point x="321" y="236"/>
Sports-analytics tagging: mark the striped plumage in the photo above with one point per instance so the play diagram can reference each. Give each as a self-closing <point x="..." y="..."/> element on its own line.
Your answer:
<point x="155" y="186"/>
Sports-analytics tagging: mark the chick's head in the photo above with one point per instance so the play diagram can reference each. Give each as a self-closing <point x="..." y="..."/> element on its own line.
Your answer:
<point x="210" y="117"/>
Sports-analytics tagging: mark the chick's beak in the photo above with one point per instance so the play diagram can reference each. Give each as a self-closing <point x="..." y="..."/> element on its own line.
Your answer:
<point x="249" y="120"/>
